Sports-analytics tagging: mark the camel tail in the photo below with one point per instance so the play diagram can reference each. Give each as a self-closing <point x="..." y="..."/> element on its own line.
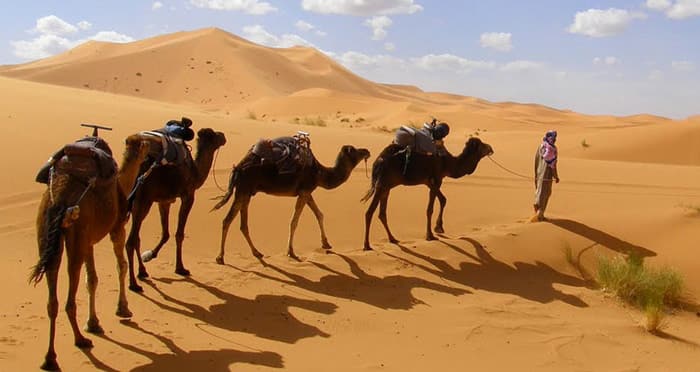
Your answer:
<point x="50" y="247"/>
<point x="376" y="171"/>
<point x="223" y="199"/>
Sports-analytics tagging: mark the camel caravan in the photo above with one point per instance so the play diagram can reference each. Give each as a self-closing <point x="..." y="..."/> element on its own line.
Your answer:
<point x="89" y="196"/>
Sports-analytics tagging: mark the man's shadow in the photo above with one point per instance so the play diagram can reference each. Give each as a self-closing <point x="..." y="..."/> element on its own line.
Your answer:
<point x="530" y="281"/>
<point x="602" y="238"/>
<point x="265" y="316"/>
<point x="181" y="360"/>
<point x="385" y="292"/>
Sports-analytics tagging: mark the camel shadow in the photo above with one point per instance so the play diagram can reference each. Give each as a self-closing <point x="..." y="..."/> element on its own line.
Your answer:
<point x="265" y="316"/>
<point x="602" y="238"/>
<point x="533" y="282"/>
<point x="385" y="292"/>
<point x="181" y="360"/>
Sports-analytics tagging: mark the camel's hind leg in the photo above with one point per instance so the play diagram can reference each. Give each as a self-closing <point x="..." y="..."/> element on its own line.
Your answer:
<point x="244" y="227"/>
<point x="368" y="218"/>
<point x="298" y="208"/>
<point x="443" y="202"/>
<point x="93" y="323"/>
<point x="232" y="212"/>
<point x="50" y="363"/>
<point x="118" y="237"/>
<point x="319" y="217"/>
<point x="76" y="252"/>
<point x="164" y="211"/>
<point x="383" y="204"/>
<point x="133" y="243"/>
<point x="185" y="208"/>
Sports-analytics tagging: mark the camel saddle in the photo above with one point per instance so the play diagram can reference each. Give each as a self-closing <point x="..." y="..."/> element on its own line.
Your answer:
<point x="172" y="149"/>
<point x="288" y="153"/>
<point x="86" y="158"/>
<point x="416" y="140"/>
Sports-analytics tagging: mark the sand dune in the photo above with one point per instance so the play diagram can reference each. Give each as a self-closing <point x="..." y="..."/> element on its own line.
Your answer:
<point x="492" y="286"/>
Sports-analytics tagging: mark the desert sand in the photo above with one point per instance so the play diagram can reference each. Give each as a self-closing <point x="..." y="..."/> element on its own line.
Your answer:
<point x="494" y="293"/>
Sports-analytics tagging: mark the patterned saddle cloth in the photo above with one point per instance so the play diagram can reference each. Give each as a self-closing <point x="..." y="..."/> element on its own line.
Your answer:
<point x="86" y="158"/>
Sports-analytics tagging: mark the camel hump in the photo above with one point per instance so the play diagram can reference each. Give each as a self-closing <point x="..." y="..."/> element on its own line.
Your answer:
<point x="89" y="157"/>
<point x="418" y="140"/>
<point x="288" y="153"/>
<point x="172" y="150"/>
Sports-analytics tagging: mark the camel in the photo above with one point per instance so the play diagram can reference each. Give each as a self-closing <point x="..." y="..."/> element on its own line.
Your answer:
<point x="74" y="216"/>
<point x="389" y="171"/>
<point x="250" y="177"/>
<point x="163" y="186"/>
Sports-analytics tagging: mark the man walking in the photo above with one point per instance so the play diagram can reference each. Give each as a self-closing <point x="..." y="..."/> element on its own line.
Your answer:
<point x="545" y="173"/>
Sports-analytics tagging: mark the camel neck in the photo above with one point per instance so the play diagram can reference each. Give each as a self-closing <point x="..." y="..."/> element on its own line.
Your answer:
<point x="463" y="164"/>
<point x="130" y="165"/>
<point x="202" y="163"/>
<point x="330" y="178"/>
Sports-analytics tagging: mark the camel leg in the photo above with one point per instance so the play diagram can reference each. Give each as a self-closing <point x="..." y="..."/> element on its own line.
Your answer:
<point x="298" y="208"/>
<point x="244" y="227"/>
<point x="185" y="209"/>
<point x="235" y="207"/>
<point x="368" y="219"/>
<point x="164" y="211"/>
<point x="443" y="202"/>
<point x="118" y="237"/>
<point x="429" y="214"/>
<point x="383" y="204"/>
<point x="93" y="323"/>
<point x="319" y="217"/>
<point x="50" y="363"/>
<point x="75" y="263"/>
<point x="133" y="243"/>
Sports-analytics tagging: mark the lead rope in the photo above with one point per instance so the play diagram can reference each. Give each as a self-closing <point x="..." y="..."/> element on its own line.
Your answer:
<point x="515" y="173"/>
<point x="213" y="171"/>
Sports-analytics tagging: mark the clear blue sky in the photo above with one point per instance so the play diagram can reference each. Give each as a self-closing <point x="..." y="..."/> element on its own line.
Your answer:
<point x="598" y="57"/>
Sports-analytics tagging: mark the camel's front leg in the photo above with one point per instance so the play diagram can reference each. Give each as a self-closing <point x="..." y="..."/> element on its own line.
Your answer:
<point x="118" y="237"/>
<point x="164" y="210"/>
<point x="298" y="208"/>
<point x="319" y="217"/>
<point x="429" y="214"/>
<point x="368" y="219"/>
<point x="93" y="323"/>
<point x="50" y="363"/>
<point x="185" y="209"/>
<point x="443" y="202"/>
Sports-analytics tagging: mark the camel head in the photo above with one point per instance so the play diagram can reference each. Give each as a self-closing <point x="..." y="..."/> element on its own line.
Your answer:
<point x="208" y="138"/>
<point x="137" y="148"/>
<point x="474" y="146"/>
<point x="354" y="155"/>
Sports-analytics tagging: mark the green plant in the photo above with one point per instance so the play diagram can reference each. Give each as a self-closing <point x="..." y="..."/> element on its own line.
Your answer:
<point x="314" y="122"/>
<point x="252" y="115"/>
<point x="650" y="289"/>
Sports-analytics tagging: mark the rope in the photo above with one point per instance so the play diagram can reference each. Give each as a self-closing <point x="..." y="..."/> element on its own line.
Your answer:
<point x="213" y="171"/>
<point x="516" y="173"/>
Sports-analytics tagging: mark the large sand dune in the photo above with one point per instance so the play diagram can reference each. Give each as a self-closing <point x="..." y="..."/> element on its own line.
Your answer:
<point x="495" y="293"/>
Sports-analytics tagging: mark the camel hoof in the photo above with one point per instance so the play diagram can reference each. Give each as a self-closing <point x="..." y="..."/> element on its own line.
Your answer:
<point x="94" y="328"/>
<point x="148" y="255"/>
<point x="124" y="312"/>
<point x="143" y="274"/>
<point x="257" y="254"/>
<point x="367" y="248"/>
<point x="135" y="288"/>
<point x="393" y="240"/>
<point x="326" y="245"/>
<point x="431" y="238"/>
<point x="182" y="271"/>
<point x="293" y="256"/>
<point x="439" y="230"/>
<point x="83" y="343"/>
<point x="50" y="365"/>
<point x="220" y="260"/>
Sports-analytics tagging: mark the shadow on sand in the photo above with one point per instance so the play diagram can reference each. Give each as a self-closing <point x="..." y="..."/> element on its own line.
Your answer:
<point x="387" y="292"/>
<point x="602" y="238"/>
<point x="181" y="360"/>
<point x="530" y="281"/>
<point x="265" y="316"/>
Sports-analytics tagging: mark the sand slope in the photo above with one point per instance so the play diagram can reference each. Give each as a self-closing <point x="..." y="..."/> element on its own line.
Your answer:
<point x="493" y="286"/>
